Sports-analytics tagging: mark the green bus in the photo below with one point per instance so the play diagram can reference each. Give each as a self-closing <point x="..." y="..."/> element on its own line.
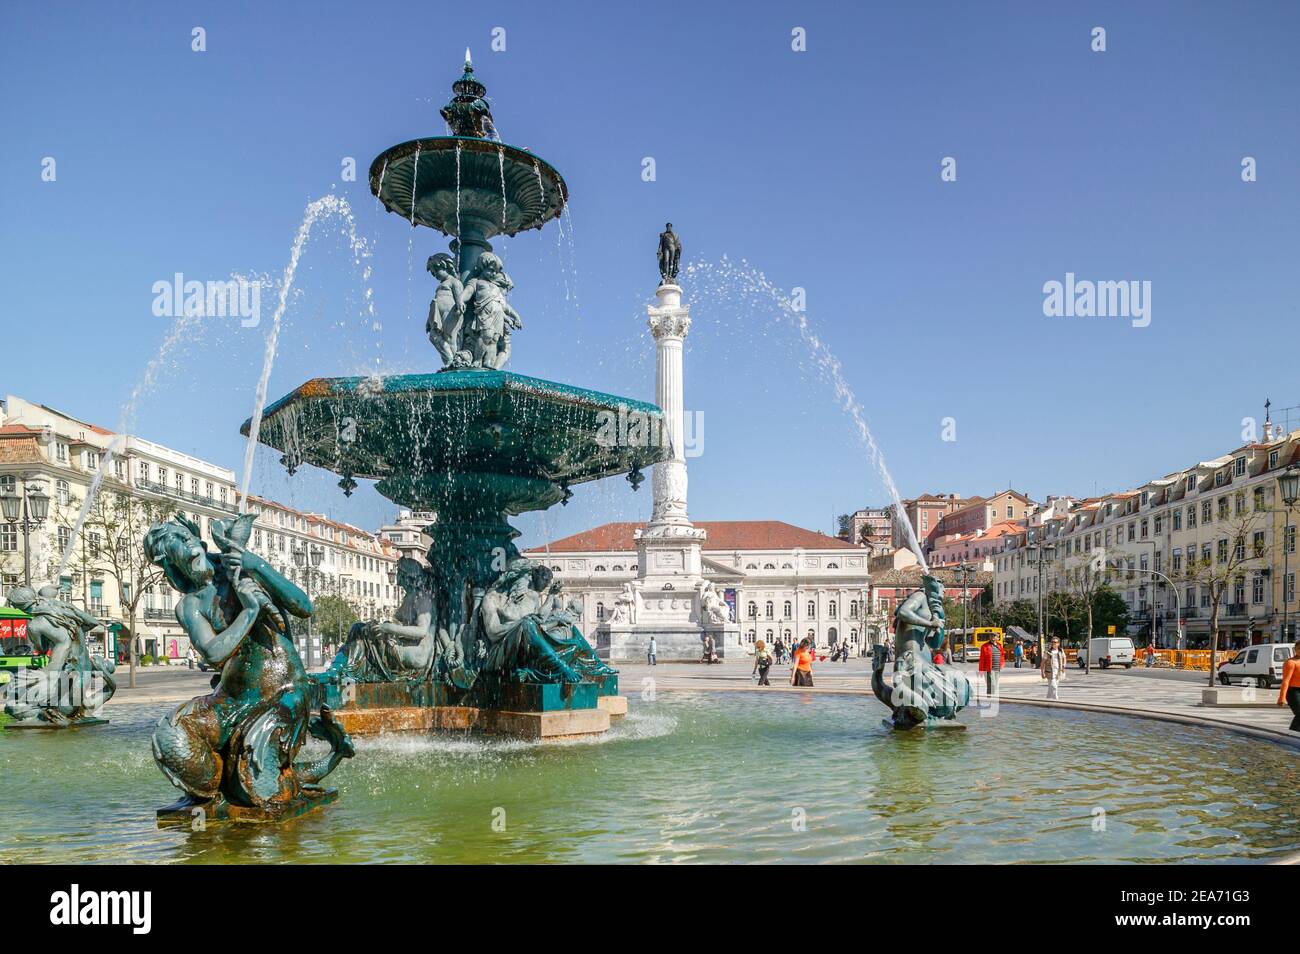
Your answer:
<point x="16" y="650"/>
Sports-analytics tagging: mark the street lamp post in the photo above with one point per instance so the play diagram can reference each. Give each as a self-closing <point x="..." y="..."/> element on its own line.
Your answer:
<point x="28" y="509"/>
<point x="1289" y="488"/>
<point x="965" y="569"/>
<point x="1042" y="551"/>
<point x="307" y="558"/>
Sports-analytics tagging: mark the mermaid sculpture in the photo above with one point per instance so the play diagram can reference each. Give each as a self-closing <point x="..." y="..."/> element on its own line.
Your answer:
<point x="73" y="683"/>
<point x="922" y="693"/>
<point x="232" y="751"/>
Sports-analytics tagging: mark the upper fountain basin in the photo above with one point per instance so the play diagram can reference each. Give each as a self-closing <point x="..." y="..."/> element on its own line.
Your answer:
<point x="491" y="175"/>
<point x="485" y="439"/>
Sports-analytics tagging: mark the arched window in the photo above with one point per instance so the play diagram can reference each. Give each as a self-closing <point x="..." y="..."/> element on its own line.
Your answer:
<point x="853" y="609"/>
<point x="600" y="611"/>
<point x="769" y="635"/>
<point x="769" y="608"/>
<point x="749" y="635"/>
<point x="618" y="566"/>
<point x="832" y="635"/>
<point x="812" y="610"/>
<point x="555" y="569"/>
<point x="832" y="566"/>
<point x="832" y="609"/>
<point x="753" y="610"/>
<point x="635" y="568"/>
<point x="769" y="566"/>
<point x="786" y="634"/>
<point x="64" y="491"/>
<point x="787" y="610"/>
<point x="751" y="566"/>
<point x="600" y="568"/>
<point x="787" y="566"/>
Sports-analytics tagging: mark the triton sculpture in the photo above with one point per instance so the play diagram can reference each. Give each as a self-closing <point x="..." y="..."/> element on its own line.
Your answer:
<point x="74" y="684"/>
<point x="232" y="751"/>
<point x="921" y="692"/>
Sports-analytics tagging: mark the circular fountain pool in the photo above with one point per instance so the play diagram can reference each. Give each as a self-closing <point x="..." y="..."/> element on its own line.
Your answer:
<point x="707" y="777"/>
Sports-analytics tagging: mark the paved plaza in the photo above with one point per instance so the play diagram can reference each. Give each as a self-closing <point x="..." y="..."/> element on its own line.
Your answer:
<point x="1159" y="693"/>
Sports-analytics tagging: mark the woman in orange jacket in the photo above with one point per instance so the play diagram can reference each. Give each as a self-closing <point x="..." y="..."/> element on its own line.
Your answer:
<point x="1289" y="694"/>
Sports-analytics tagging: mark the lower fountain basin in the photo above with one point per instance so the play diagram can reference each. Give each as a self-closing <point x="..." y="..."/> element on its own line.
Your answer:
<point x="702" y="777"/>
<point x="465" y="439"/>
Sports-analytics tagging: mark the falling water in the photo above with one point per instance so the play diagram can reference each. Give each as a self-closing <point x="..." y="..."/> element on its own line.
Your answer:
<point x="326" y="205"/>
<point x="501" y="166"/>
<point x="415" y="178"/>
<point x="459" y="248"/>
<point x="729" y="278"/>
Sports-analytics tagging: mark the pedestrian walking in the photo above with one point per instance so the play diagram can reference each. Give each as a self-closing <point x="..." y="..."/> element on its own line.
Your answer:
<point x="652" y="652"/>
<point x="1151" y="654"/>
<point x="801" y="671"/>
<point x="762" y="662"/>
<point x="1053" y="668"/>
<point x="1289" y="694"/>
<point x="991" y="665"/>
<point x="1019" y="652"/>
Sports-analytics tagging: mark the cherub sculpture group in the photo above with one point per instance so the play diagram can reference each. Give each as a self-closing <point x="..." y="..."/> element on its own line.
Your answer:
<point x="470" y="321"/>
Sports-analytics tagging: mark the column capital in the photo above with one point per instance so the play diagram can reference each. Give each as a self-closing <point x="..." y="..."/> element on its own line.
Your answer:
<point x="669" y="318"/>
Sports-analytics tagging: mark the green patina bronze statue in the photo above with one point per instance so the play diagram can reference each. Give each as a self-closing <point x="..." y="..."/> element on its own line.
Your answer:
<point x="528" y="633"/>
<point x="232" y="751"/>
<point x="74" y="685"/>
<point x="921" y="693"/>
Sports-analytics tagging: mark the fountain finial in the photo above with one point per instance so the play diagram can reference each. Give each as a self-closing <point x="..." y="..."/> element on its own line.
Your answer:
<point x="468" y="114"/>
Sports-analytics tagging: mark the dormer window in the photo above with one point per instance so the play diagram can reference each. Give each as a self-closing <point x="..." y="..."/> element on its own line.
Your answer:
<point x="1239" y="467"/>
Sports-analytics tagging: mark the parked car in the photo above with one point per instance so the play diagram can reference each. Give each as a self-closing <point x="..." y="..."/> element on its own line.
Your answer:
<point x="1256" y="666"/>
<point x="1107" y="651"/>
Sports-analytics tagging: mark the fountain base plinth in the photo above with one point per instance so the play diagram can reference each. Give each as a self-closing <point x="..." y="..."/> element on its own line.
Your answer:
<point x="197" y="814"/>
<point x="539" y="726"/>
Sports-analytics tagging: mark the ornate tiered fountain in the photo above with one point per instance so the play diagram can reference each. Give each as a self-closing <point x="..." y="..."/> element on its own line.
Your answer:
<point x="484" y="638"/>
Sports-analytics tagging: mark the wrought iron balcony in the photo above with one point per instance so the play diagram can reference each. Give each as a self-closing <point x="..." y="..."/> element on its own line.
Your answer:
<point x="201" y="499"/>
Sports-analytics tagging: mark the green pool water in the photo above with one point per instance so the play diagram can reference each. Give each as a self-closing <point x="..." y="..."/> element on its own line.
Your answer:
<point x="701" y="777"/>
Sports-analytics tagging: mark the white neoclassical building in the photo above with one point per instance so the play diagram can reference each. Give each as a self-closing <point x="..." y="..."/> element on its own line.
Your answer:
<point x="781" y="581"/>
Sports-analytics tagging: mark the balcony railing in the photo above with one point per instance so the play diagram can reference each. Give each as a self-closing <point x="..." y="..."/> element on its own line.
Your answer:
<point x="153" y="612"/>
<point x="202" y="499"/>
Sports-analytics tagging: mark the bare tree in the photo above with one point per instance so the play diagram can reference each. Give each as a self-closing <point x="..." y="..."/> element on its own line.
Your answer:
<point x="121" y="520"/>
<point x="1084" y="577"/>
<point x="1230" y="555"/>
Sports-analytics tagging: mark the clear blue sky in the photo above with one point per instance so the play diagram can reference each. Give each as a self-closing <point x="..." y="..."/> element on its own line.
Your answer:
<point x="821" y="168"/>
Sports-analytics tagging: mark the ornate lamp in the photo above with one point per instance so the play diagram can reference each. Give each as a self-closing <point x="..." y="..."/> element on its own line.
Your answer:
<point x="1288" y="484"/>
<point x="38" y="504"/>
<point x="317" y="554"/>
<point x="11" y="504"/>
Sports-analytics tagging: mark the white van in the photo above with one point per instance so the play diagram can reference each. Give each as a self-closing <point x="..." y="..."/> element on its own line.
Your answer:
<point x="1256" y="666"/>
<point x="1108" y="651"/>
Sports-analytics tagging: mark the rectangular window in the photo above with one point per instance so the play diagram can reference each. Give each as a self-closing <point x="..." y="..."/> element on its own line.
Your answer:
<point x="1190" y="486"/>
<point x="1239" y="467"/>
<point x="1207" y="511"/>
<point x="1259" y="498"/>
<point x="1257" y="589"/>
<point x="1177" y="517"/>
<point x="8" y="537"/>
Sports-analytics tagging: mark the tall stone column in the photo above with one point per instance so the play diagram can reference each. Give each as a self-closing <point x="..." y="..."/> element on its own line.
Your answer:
<point x="669" y="322"/>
